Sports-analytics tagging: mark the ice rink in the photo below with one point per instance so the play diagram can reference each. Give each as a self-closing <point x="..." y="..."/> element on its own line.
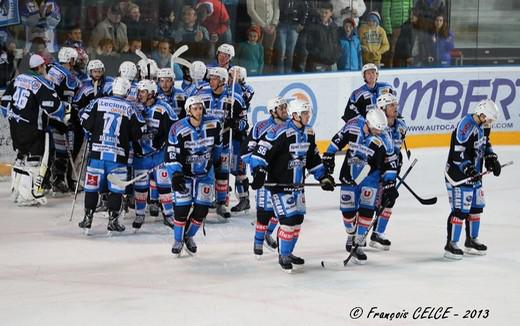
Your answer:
<point x="51" y="274"/>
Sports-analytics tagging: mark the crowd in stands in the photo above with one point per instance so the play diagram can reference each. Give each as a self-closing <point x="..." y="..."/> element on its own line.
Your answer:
<point x="270" y="36"/>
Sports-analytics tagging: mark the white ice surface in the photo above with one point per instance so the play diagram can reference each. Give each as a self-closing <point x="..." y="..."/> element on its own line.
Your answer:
<point x="51" y="274"/>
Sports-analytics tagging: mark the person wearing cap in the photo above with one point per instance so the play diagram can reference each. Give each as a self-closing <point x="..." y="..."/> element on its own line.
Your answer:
<point x="31" y="101"/>
<point x="373" y="39"/>
<point x="250" y="54"/>
<point x="213" y="15"/>
<point x="112" y="28"/>
<point x="350" y="44"/>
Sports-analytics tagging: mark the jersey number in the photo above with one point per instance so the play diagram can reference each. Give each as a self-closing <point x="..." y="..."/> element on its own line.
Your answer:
<point x="21" y="97"/>
<point x="112" y="124"/>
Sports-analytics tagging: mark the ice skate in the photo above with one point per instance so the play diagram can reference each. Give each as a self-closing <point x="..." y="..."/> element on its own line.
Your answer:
<point x="258" y="250"/>
<point x="379" y="241"/>
<point x="285" y="264"/>
<point x="86" y="223"/>
<point x="452" y="251"/>
<point x="59" y="187"/>
<point x="474" y="247"/>
<point x="154" y="208"/>
<point x="177" y="248"/>
<point x="168" y="221"/>
<point x="223" y="214"/>
<point x="191" y="246"/>
<point x="242" y="206"/>
<point x="270" y="243"/>
<point x="138" y="222"/>
<point x="113" y="224"/>
<point x="359" y="255"/>
<point x="297" y="262"/>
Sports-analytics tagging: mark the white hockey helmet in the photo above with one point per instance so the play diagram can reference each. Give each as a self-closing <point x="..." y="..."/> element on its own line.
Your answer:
<point x="66" y="54"/>
<point x="95" y="64"/>
<point x="219" y="72"/>
<point x="147" y="85"/>
<point x="488" y="108"/>
<point x="121" y="86"/>
<point x="165" y="73"/>
<point x="298" y="106"/>
<point x="376" y="119"/>
<point x="369" y="66"/>
<point x="386" y="99"/>
<point x="198" y="70"/>
<point x="143" y="65"/>
<point x="227" y="49"/>
<point x="193" y="100"/>
<point x="240" y="71"/>
<point x="275" y="102"/>
<point x="128" y="70"/>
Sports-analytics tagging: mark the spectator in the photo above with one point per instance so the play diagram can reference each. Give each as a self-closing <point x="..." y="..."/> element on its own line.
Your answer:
<point x="137" y="28"/>
<point x="232" y="9"/>
<point x="350" y="47"/>
<point x="111" y="27"/>
<point x="373" y="39"/>
<point x="163" y="54"/>
<point x="265" y="14"/>
<point x="38" y="46"/>
<point x="250" y="54"/>
<point x="167" y="29"/>
<point x="395" y="13"/>
<point x="427" y="10"/>
<point x="105" y="53"/>
<point x="322" y="42"/>
<point x="193" y="34"/>
<point x="443" y="42"/>
<point x="74" y="40"/>
<point x="105" y="48"/>
<point x="213" y="15"/>
<point x="40" y="20"/>
<point x="348" y="9"/>
<point x="293" y="17"/>
<point x="130" y="55"/>
<point x="403" y="56"/>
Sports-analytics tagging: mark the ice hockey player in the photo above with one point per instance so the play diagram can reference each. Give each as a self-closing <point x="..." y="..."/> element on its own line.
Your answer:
<point x="225" y="53"/>
<point x="159" y="117"/>
<point x="368" y="162"/>
<point x="233" y="116"/>
<point x="265" y="218"/>
<point x="168" y="93"/>
<point x="283" y="155"/>
<point x="30" y="101"/>
<point x="193" y="154"/>
<point x="470" y="151"/>
<point x="96" y="86"/>
<point x="147" y="69"/>
<point x="194" y="78"/>
<point x="365" y="97"/>
<point x="66" y="85"/>
<point x="128" y="70"/>
<point x="112" y="123"/>
<point x="395" y="133"/>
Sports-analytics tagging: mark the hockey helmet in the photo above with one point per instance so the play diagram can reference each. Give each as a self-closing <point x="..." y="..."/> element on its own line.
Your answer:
<point x="66" y="54"/>
<point x="165" y="73"/>
<point x="386" y="99"/>
<point x="147" y="85"/>
<point x="143" y="65"/>
<point x="376" y="119"/>
<point x="241" y="73"/>
<point x="275" y="102"/>
<point x="95" y="64"/>
<point x="121" y="86"/>
<point x="218" y="72"/>
<point x="227" y="49"/>
<point x="193" y="100"/>
<point x="488" y="108"/>
<point x="128" y="70"/>
<point x="198" y="70"/>
<point x="369" y="66"/>
<point x="298" y="106"/>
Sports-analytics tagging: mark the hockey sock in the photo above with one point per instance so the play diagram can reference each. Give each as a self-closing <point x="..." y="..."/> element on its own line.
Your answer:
<point x="140" y="201"/>
<point x="296" y="234"/>
<point x="285" y="235"/>
<point x="273" y="222"/>
<point x="114" y="202"/>
<point x="178" y="230"/>
<point x="363" y="223"/>
<point x="154" y="192"/>
<point x="472" y="226"/>
<point x="241" y="186"/>
<point x="193" y="227"/>
<point x="260" y="230"/>
<point x="382" y="220"/>
<point x="166" y="199"/>
<point x="454" y="228"/>
<point x="221" y="190"/>
<point x="349" y="221"/>
<point x="91" y="199"/>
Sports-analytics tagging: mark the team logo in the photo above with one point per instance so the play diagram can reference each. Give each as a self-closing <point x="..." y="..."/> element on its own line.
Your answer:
<point x="92" y="180"/>
<point x="469" y="199"/>
<point x="206" y="190"/>
<point x="367" y="193"/>
<point x="164" y="174"/>
<point x="346" y="197"/>
<point x="290" y="201"/>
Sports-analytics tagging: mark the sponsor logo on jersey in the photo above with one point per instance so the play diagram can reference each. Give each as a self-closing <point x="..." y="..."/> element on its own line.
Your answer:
<point x="203" y="142"/>
<point x="92" y="180"/>
<point x="359" y="148"/>
<point x="194" y="159"/>
<point x="296" y="163"/>
<point x="346" y="197"/>
<point x="299" y="147"/>
<point x="367" y="193"/>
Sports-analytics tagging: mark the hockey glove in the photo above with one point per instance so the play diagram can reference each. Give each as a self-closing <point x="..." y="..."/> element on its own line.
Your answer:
<point x="390" y="194"/>
<point x="258" y="178"/>
<point x="328" y="162"/>
<point x="179" y="182"/>
<point x="327" y="183"/>
<point x="492" y="164"/>
<point x="470" y="171"/>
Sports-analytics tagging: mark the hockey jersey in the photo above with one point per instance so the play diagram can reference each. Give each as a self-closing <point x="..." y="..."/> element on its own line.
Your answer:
<point x="285" y="152"/>
<point x="364" y="99"/>
<point x="175" y="100"/>
<point x="66" y="84"/>
<point x="113" y="123"/>
<point x="364" y="149"/>
<point x="194" y="151"/>
<point x="88" y="92"/>
<point x="258" y="131"/>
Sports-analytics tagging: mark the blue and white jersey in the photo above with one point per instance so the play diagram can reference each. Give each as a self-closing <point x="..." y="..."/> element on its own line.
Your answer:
<point x="469" y="143"/>
<point x="175" y="99"/>
<point x="285" y="152"/>
<point x="191" y="150"/>
<point x="247" y="93"/>
<point x="159" y="118"/>
<point x="363" y="149"/>
<point x="113" y="123"/>
<point x="132" y="94"/>
<point x="259" y="130"/>
<point x="192" y="88"/>
<point x="364" y="99"/>
<point x="65" y="83"/>
<point x="88" y="92"/>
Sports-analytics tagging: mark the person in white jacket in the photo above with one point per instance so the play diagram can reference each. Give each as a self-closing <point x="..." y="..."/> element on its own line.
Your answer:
<point x="265" y="14"/>
<point x="347" y="8"/>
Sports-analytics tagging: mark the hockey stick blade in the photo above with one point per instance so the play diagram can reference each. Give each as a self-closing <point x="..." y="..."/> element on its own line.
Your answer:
<point x="183" y="62"/>
<point x="423" y="201"/>
<point x="123" y="184"/>
<point x="141" y="55"/>
<point x="180" y="51"/>
<point x="333" y="265"/>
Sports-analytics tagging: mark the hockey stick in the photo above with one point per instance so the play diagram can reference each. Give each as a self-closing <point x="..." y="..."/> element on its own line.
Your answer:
<point x="123" y="184"/>
<point x="43" y="168"/>
<point x="468" y="179"/>
<point x="141" y="55"/>
<point x="424" y="201"/>
<point x="83" y="157"/>
<point x="325" y="264"/>
<point x="408" y="153"/>
<point x="177" y="54"/>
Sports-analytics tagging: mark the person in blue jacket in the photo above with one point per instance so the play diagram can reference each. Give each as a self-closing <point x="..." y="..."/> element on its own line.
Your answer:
<point x="350" y="45"/>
